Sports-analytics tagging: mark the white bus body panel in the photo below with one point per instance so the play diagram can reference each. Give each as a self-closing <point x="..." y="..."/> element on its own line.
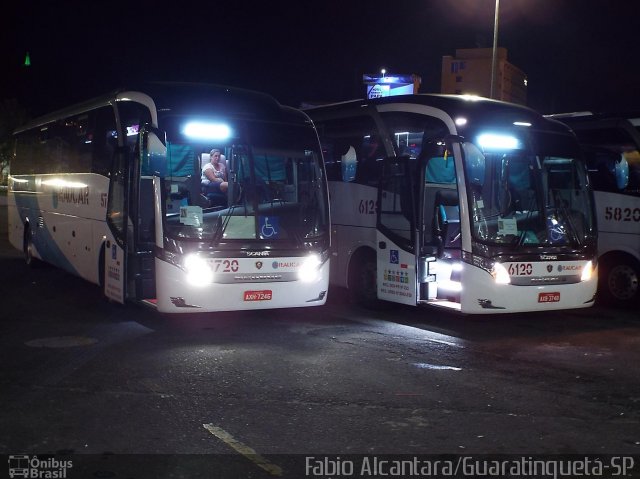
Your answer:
<point x="618" y="223"/>
<point x="479" y="286"/>
<point x="176" y="295"/>
<point x="353" y="225"/>
<point x="66" y="214"/>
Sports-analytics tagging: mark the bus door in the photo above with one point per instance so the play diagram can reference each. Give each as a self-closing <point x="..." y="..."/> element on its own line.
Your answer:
<point x="149" y="167"/>
<point x="117" y="220"/>
<point x="396" y="233"/>
<point x="129" y="261"/>
<point x="439" y="225"/>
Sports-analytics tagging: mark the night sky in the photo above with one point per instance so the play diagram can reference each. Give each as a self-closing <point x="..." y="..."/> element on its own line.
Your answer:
<point x="577" y="54"/>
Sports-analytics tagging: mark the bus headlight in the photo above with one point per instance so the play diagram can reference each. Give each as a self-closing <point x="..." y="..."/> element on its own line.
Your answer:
<point x="198" y="271"/>
<point x="500" y="274"/>
<point x="309" y="270"/>
<point x="587" y="271"/>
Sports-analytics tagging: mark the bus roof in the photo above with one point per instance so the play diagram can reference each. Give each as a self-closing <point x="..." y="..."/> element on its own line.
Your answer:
<point x="589" y="117"/>
<point x="182" y="96"/>
<point x="492" y="111"/>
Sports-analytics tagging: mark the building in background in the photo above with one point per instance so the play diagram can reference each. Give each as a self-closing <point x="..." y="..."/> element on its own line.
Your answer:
<point x="469" y="73"/>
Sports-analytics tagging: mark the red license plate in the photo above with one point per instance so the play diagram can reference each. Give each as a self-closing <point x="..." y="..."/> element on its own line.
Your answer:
<point x="261" y="295"/>
<point x="548" y="297"/>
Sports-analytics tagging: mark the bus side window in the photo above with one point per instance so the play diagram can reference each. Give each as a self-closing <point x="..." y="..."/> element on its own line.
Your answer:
<point x="338" y="136"/>
<point x="104" y="140"/>
<point x="133" y="116"/>
<point x="370" y="160"/>
<point x="608" y="171"/>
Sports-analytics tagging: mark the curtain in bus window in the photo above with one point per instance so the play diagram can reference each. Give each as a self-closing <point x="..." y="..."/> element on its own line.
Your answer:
<point x="269" y="167"/>
<point x="180" y="160"/>
<point x="441" y="170"/>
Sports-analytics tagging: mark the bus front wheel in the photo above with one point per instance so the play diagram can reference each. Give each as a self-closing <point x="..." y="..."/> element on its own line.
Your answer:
<point x="362" y="285"/>
<point x="618" y="282"/>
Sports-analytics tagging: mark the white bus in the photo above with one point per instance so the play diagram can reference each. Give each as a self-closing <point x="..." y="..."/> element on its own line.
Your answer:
<point x="612" y="146"/>
<point x="460" y="202"/>
<point x="110" y="190"/>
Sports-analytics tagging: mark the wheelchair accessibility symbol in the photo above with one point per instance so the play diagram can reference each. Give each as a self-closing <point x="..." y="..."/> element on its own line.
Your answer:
<point x="269" y="227"/>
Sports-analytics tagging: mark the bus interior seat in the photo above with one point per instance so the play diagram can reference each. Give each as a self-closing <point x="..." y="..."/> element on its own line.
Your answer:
<point x="446" y="218"/>
<point x="204" y="159"/>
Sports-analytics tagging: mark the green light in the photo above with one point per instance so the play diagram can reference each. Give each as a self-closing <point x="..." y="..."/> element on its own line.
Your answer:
<point x="27" y="60"/>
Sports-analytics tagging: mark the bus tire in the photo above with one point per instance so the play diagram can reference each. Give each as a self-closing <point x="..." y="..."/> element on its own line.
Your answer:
<point x="27" y="248"/>
<point x="362" y="286"/>
<point x="618" y="280"/>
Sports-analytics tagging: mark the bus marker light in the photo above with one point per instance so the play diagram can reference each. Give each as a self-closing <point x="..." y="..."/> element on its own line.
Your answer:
<point x="309" y="269"/>
<point x="587" y="271"/>
<point x="500" y="274"/>
<point x="198" y="271"/>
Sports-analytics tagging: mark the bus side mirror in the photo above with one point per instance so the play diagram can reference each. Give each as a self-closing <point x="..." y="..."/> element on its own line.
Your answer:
<point x="153" y="152"/>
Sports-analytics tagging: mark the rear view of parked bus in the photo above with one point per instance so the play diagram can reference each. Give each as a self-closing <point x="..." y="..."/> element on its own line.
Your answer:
<point x="612" y="147"/>
<point x="111" y="190"/>
<point x="469" y="204"/>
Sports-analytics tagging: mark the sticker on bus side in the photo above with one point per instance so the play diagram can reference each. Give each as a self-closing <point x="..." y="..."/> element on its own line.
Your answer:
<point x="548" y="297"/>
<point x="261" y="295"/>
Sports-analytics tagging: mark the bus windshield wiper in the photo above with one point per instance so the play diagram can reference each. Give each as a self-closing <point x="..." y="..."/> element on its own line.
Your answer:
<point x="223" y="224"/>
<point x="559" y="206"/>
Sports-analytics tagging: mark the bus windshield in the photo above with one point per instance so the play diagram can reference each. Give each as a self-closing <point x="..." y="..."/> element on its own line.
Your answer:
<point x="527" y="195"/>
<point x="273" y="187"/>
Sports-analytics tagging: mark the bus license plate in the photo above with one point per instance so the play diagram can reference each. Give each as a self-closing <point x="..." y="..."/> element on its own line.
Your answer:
<point x="548" y="297"/>
<point x="261" y="295"/>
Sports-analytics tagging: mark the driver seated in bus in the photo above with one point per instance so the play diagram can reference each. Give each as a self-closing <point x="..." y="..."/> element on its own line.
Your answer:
<point x="214" y="174"/>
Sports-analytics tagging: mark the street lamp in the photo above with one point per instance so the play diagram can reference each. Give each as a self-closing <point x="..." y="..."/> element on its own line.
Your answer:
<point x="495" y="51"/>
